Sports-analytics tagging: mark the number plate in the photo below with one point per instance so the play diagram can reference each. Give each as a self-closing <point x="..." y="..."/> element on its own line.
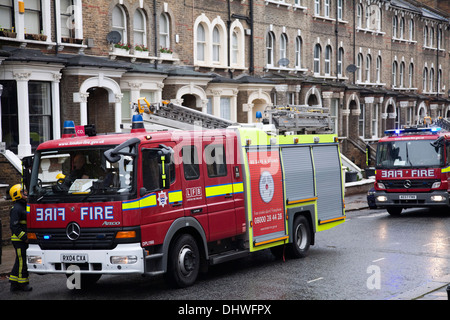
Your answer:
<point x="407" y="197"/>
<point x="74" y="258"/>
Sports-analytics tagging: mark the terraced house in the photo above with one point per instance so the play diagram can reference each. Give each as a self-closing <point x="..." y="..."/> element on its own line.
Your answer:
<point x="377" y="64"/>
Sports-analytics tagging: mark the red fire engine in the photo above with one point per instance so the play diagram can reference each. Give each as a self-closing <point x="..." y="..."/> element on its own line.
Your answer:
<point x="174" y="202"/>
<point x="412" y="169"/>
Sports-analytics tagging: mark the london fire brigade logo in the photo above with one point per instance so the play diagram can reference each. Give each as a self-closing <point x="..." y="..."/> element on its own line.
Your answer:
<point x="266" y="186"/>
<point x="162" y="199"/>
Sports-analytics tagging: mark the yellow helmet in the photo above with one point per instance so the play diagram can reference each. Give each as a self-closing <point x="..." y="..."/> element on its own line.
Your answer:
<point x="16" y="192"/>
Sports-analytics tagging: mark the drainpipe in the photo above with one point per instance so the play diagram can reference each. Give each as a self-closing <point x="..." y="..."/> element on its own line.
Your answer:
<point x="252" y="37"/>
<point x="228" y="39"/>
<point x="155" y="27"/>
<point x="354" y="39"/>
<point x="336" y="33"/>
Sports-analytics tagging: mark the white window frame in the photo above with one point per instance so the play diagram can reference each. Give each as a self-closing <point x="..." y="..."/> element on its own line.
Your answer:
<point x="316" y="60"/>
<point x="328" y="54"/>
<point x="121" y="28"/>
<point x="140" y="30"/>
<point x="164" y="35"/>
<point x="270" y="48"/>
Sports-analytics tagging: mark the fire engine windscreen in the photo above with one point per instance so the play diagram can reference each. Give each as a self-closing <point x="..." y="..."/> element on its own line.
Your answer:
<point x="409" y="154"/>
<point x="65" y="174"/>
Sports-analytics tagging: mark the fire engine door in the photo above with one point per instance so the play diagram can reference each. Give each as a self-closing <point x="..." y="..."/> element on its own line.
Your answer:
<point x="159" y="203"/>
<point x="218" y="188"/>
<point x="193" y="184"/>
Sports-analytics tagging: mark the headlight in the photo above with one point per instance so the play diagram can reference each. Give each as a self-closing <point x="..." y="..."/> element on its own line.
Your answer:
<point x="437" y="198"/>
<point x="381" y="185"/>
<point x="123" y="259"/>
<point x="382" y="198"/>
<point x="436" y="185"/>
<point x="34" y="259"/>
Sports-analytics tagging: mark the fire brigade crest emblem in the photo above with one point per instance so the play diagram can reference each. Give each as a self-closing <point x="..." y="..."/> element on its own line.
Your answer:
<point x="162" y="199"/>
<point x="266" y="186"/>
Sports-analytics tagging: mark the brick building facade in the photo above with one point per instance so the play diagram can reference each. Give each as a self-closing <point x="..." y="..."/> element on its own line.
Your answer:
<point x="377" y="64"/>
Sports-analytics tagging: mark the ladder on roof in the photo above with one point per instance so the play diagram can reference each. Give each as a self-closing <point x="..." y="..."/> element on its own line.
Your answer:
<point x="299" y="119"/>
<point x="175" y="116"/>
<point x="443" y="123"/>
<point x="296" y="119"/>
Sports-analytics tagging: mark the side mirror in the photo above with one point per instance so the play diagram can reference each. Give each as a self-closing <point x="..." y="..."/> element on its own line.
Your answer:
<point x="113" y="155"/>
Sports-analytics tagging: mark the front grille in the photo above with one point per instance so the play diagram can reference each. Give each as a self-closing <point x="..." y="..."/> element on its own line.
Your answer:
<point x="89" y="239"/>
<point x="415" y="184"/>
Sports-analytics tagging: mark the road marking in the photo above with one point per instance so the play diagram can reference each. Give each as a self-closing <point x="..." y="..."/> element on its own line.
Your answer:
<point x="315" y="280"/>
<point x="378" y="260"/>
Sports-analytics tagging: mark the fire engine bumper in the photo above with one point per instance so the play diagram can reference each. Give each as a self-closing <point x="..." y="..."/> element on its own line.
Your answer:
<point x="124" y="259"/>
<point x="411" y="200"/>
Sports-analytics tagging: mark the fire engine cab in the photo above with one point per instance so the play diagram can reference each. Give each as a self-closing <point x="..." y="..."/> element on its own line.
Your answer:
<point x="174" y="202"/>
<point x="412" y="169"/>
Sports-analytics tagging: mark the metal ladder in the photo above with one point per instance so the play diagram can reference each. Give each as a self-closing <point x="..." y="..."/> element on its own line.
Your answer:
<point x="179" y="117"/>
<point x="299" y="119"/>
<point x="296" y="119"/>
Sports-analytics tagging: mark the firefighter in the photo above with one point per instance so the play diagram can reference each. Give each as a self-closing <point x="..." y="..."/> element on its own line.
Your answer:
<point x="18" y="223"/>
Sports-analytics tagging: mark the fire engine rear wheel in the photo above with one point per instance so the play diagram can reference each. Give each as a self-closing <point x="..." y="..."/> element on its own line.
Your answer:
<point x="301" y="238"/>
<point x="184" y="262"/>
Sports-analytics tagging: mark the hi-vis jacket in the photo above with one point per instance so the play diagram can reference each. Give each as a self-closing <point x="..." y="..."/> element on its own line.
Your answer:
<point x="18" y="221"/>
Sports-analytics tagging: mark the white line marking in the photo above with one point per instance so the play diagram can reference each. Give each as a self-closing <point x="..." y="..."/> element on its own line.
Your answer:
<point x="315" y="280"/>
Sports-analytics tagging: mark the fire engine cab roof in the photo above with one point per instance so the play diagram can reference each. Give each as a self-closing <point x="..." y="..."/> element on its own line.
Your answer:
<point x="431" y="133"/>
<point x="118" y="138"/>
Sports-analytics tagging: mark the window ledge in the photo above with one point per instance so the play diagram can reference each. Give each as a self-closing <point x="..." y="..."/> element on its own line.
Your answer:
<point x="376" y="32"/>
<point x="394" y="39"/>
<point x="317" y="17"/>
<point x="278" y="3"/>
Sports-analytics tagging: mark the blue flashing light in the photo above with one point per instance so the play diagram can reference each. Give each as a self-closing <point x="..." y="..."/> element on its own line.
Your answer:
<point x="68" y="129"/>
<point x="137" y="123"/>
<point x="47" y="237"/>
<point x="412" y="130"/>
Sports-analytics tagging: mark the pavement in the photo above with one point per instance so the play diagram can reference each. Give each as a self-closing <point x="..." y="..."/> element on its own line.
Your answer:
<point x="434" y="290"/>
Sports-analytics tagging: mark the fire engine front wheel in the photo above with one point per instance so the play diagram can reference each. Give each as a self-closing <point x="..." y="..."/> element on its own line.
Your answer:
<point x="184" y="262"/>
<point x="301" y="237"/>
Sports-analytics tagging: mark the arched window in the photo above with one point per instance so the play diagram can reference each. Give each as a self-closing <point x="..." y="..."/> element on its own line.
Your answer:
<point x="237" y="45"/>
<point x="431" y="37"/>
<point x="425" y="36"/>
<point x="298" y="52"/>
<point x="411" y="30"/>
<point x="164" y="30"/>
<point x="283" y="46"/>
<point x="234" y="48"/>
<point x="411" y="75"/>
<point x="328" y="55"/>
<point x="378" y="69"/>
<point x="340" y="61"/>
<point x="139" y="29"/>
<point x="359" y="12"/>
<point x="359" y="64"/>
<point x="431" y="80"/>
<point x="394" y="74"/>
<point x="270" y="44"/>
<point x="394" y="26"/>
<point x="402" y="74"/>
<point x="424" y="79"/>
<point x="201" y="42"/>
<point x="317" y="54"/>
<point x="402" y="28"/>
<point x="368" y="67"/>
<point x="216" y="45"/>
<point x="119" y="22"/>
